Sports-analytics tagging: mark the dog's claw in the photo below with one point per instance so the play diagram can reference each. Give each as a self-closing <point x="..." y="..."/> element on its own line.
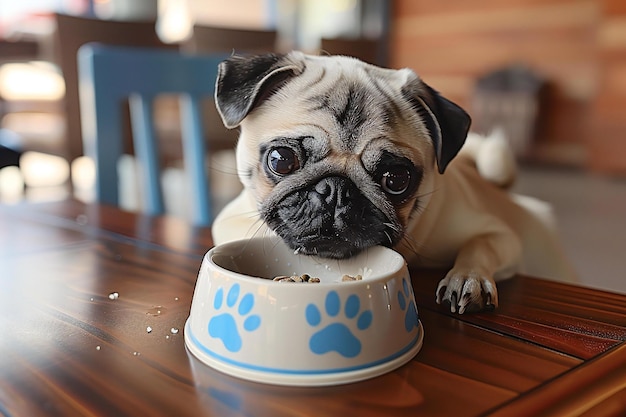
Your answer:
<point x="466" y="302"/>
<point x="454" y="302"/>
<point x="467" y="292"/>
<point x="440" y="293"/>
<point x="488" y="303"/>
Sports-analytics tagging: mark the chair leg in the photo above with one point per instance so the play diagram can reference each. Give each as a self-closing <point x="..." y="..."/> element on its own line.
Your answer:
<point x="147" y="153"/>
<point x="194" y="154"/>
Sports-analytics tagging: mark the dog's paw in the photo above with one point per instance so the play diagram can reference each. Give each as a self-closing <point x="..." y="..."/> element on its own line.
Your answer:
<point x="467" y="292"/>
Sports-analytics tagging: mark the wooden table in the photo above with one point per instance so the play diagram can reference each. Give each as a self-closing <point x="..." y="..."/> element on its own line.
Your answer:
<point x="69" y="347"/>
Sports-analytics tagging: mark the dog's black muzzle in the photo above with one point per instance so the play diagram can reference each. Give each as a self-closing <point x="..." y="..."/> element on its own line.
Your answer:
<point x="331" y="219"/>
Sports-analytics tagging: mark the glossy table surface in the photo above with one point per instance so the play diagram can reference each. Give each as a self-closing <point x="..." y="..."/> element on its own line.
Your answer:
<point x="70" y="347"/>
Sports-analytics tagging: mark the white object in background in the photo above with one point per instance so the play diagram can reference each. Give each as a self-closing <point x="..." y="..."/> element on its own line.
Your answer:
<point x="174" y="22"/>
<point x="11" y="185"/>
<point x="43" y="170"/>
<point x="129" y="197"/>
<point x="31" y="81"/>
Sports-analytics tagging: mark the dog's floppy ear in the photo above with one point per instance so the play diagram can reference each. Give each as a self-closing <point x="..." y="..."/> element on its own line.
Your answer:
<point x="243" y="82"/>
<point x="447" y="123"/>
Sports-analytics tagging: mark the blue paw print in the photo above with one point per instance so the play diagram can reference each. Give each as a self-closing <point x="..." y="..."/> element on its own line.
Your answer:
<point x="411" y="317"/>
<point x="224" y="326"/>
<point x="337" y="337"/>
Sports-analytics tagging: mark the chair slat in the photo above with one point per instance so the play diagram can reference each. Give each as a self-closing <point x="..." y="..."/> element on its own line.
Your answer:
<point x="111" y="74"/>
<point x="194" y="153"/>
<point x="146" y="149"/>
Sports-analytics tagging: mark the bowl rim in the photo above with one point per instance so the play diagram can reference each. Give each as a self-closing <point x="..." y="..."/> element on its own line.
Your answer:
<point x="382" y="277"/>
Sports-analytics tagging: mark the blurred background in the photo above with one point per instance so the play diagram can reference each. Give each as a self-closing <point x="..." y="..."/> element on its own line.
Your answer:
<point x="551" y="74"/>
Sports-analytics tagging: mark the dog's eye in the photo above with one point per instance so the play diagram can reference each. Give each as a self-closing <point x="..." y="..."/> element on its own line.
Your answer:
<point x="395" y="181"/>
<point x="282" y="161"/>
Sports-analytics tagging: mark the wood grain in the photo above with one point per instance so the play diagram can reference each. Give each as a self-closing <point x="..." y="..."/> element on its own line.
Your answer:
<point x="68" y="349"/>
<point x="583" y="391"/>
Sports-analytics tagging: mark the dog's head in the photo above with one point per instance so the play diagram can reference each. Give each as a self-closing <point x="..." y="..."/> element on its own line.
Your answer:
<point x="339" y="154"/>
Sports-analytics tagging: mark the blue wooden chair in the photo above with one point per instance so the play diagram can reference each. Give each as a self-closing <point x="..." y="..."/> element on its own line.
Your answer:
<point x="110" y="74"/>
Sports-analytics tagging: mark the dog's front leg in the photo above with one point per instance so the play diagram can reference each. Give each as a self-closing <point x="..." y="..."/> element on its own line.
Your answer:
<point x="470" y="285"/>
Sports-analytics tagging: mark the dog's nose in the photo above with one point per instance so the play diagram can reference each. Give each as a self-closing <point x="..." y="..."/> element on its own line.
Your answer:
<point x="336" y="191"/>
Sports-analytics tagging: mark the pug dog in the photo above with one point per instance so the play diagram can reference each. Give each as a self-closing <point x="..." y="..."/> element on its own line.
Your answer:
<point x="337" y="155"/>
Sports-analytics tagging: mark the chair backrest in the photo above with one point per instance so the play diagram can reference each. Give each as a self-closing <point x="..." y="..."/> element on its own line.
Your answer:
<point x="210" y="39"/>
<point x="71" y="32"/>
<point x="368" y="50"/>
<point x="111" y="74"/>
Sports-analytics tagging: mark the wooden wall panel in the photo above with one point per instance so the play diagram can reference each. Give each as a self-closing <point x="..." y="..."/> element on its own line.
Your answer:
<point x="410" y="7"/>
<point x="613" y="7"/>
<point x="578" y="46"/>
<point x="607" y="136"/>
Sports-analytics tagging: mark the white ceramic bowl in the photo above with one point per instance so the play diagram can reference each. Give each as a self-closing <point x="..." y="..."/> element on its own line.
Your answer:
<point x="307" y="334"/>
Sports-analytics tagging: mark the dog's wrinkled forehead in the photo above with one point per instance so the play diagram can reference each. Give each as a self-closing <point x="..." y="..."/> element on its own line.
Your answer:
<point x="359" y="99"/>
<point x="352" y="101"/>
<point x="342" y="85"/>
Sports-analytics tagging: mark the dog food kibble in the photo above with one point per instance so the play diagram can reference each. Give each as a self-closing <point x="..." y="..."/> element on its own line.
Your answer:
<point x="308" y="278"/>
<point x="297" y="278"/>
<point x="351" y="278"/>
